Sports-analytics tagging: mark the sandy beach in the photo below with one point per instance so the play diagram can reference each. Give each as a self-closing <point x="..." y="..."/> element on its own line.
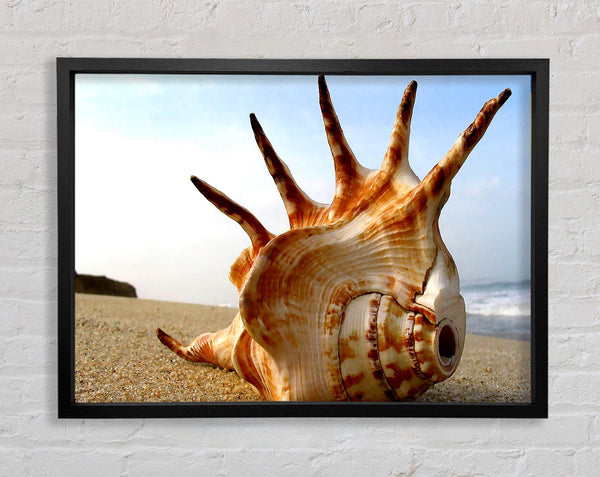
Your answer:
<point x="119" y="359"/>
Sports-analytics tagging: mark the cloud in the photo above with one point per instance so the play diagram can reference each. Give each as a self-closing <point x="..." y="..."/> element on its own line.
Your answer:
<point x="482" y="187"/>
<point x="140" y="219"/>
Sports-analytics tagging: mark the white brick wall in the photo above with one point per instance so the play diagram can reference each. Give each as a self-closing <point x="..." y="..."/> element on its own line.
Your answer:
<point x="33" y="33"/>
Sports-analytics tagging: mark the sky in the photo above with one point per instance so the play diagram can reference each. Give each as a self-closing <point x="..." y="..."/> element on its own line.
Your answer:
<point x="139" y="138"/>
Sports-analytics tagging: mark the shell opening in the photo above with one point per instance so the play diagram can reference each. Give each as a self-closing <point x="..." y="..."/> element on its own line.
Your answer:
<point x="447" y="345"/>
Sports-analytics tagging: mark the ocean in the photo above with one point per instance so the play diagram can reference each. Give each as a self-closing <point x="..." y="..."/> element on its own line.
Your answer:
<point x="502" y="310"/>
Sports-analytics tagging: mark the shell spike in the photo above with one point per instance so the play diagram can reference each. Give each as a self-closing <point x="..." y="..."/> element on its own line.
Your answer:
<point x="347" y="168"/>
<point x="439" y="178"/>
<point x="198" y="351"/>
<point x="346" y="165"/>
<point x="251" y="225"/>
<point x="295" y="200"/>
<point x="396" y="156"/>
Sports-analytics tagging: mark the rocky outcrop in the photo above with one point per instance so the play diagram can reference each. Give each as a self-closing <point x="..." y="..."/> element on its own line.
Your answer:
<point x="101" y="285"/>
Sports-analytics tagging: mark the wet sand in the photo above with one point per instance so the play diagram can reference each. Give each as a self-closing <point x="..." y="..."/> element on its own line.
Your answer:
<point x="119" y="359"/>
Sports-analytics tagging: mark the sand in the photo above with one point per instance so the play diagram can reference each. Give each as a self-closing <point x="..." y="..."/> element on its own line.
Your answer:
<point x="119" y="359"/>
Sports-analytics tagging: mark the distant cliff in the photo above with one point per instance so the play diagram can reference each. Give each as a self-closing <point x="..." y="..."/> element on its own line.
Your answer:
<point x="101" y="285"/>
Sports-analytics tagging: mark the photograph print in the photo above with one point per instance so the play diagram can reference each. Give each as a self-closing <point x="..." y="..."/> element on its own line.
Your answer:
<point x="271" y="237"/>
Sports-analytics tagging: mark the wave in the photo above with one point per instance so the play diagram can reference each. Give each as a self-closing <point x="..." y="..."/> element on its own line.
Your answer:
<point x="516" y="328"/>
<point x="498" y="285"/>
<point x="514" y="311"/>
<point x="499" y="299"/>
<point x="501" y="309"/>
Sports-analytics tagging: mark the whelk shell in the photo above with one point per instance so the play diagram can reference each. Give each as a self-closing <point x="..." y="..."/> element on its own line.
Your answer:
<point x="360" y="299"/>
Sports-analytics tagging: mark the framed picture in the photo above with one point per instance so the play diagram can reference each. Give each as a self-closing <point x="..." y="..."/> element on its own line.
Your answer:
<point x="256" y="238"/>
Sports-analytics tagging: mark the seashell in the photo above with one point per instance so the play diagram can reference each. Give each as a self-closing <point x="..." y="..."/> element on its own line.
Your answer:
<point x="360" y="299"/>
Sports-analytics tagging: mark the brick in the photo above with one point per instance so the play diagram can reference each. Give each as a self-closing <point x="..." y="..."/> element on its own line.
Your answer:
<point x="432" y="16"/>
<point x="162" y="461"/>
<point x="574" y="313"/>
<point x="27" y="248"/>
<point x="438" y="432"/>
<point x="578" y="279"/>
<point x="547" y="462"/>
<point x="591" y="242"/>
<point x="297" y="434"/>
<point x="574" y="166"/>
<point x="350" y="462"/>
<point x="28" y="354"/>
<point x="515" y="434"/>
<point x="31" y="169"/>
<point x="337" y="434"/>
<point x="25" y="429"/>
<point x="273" y="13"/>
<point x="23" y="51"/>
<point x="127" y="17"/>
<point x="31" y="427"/>
<point x="88" y="15"/>
<point x="587" y="461"/>
<point x="383" y="17"/>
<point x="595" y="431"/>
<point x="66" y="462"/>
<point x="103" y="432"/>
<point x="443" y="462"/>
<point x="16" y="461"/>
<point x="128" y="46"/>
<point x="593" y="130"/>
<point x="177" y="16"/>
<point x="24" y="124"/>
<point x="13" y="168"/>
<point x="558" y="17"/>
<point x="18" y="395"/>
<point x="514" y="17"/>
<point x="566" y="238"/>
<point x="321" y="462"/>
<point x="28" y="283"/>
<point x="6" y="15"/>
<point x="575" y="388"/>
<point x="574" y="204"/>
<point x="44" y="15"/>
<point x="294" y="462"/>
<point x="585" y="48"/>
<point x="22" y="316"/>
<point x="577" y="18"/>
<point x="564" y="90"/>
<point x="410" y="43"/>
<point x="568" y="127"/>
<point x="472" y="17"/>
<point x="332" y="16"/>
<point x="35" y="87"/>
<point x="559" y="49"/>
<point x="28" y="207"/>
<point x="574" y="237"/>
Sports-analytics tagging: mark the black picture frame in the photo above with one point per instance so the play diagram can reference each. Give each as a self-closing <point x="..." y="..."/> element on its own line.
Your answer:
<point x="68" y="68"/>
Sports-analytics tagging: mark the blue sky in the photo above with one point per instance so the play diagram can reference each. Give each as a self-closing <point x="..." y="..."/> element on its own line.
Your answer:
<point x="140" y="137"/>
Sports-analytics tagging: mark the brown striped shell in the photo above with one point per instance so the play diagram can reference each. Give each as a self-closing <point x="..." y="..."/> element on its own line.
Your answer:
<point x="360" y="299"/>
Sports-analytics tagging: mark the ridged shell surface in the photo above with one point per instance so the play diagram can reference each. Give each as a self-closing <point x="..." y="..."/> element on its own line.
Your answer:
<point x="360" y="299"/>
